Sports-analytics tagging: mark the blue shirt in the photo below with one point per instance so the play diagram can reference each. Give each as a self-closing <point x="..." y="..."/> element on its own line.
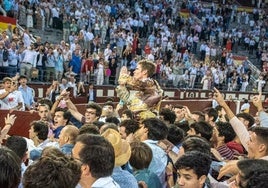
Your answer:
<point x="27" y="94"/>
<point x="150" y="178"/>
<point x="57" y="131"/>
<point x="159" y="160"/>
<point x="76" y="64"/>
<point x="67" y="149"/>
<point x="124" y="178"/>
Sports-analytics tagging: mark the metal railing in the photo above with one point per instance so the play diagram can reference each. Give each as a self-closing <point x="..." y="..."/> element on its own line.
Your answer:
<point x="22" y="30"/>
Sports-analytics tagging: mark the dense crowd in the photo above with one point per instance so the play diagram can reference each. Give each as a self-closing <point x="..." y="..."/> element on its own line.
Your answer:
<point x="138" y="142"/>
<point x="99" y="37"/>
<point x="174" y="148"/>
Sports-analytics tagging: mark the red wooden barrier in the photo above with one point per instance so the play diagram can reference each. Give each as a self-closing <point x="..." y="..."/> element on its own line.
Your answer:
<point x="21" y="126"/>
<point x="22" y="122"/>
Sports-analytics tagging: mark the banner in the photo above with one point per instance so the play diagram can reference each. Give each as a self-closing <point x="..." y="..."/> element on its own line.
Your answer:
<point x="4" y="21"/>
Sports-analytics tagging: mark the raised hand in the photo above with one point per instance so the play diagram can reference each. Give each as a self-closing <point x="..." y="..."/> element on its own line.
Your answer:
<point x="10" y="119"/>
<point x="257" y="101"/>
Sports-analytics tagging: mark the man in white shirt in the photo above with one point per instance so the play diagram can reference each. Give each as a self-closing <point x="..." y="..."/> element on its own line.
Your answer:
<point x="97" y="169"/>
<point x="8" y="99"/>
<point x="28" y="62"/>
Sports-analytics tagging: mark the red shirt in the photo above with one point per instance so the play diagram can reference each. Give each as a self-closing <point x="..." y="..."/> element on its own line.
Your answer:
<point x="89" y="64"/>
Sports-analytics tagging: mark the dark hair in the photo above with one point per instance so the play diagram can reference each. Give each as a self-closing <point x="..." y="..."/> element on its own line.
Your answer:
<point x="131" y="126"/>
<point x="175" y="134"/>
<point x="211" y="112"/>
<point x="168" y="115"/>
<point x="128" y="113"/>
<point x="247" y="117"/>
<point x="41" y="128"/>
<point x="90" y="129"/>
<point x="203" y="128"/>
<point x="225" y="129"/>
<point x="254" y="173"/>
<point x="112" y="119"/>
<point x="66" y="113"/>
<point x="109" y="103"/>
<point x="10" y="168"/>
<point x="52" y="171"/>
<point x="196" y="143"/>
<point x="141" y="155"/>
<point x="157" y="129"/>
<point x="98" y="154"/>
<point x="51" y="151"/>
<point x="45" y="101"/>
<point x="108" y="126"/>
<point x="200" y="114"/>
<point x="197" y="161"/>
<point x="184" y="125"/>
<point x="95" y="106"/>
<point x="17" y="144"/>
<point x="262" y="135"/>
<point x="99" y="124"/>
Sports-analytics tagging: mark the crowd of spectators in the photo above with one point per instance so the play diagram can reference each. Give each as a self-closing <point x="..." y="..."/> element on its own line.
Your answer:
<point x="110" y="148"/>
<point x="99" y="37"/>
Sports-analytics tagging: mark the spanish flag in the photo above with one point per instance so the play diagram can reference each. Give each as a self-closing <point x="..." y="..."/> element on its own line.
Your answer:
<point x="4" y="21"/>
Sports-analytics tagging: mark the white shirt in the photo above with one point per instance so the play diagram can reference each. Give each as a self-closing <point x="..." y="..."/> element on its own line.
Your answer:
<point x="29" y="57"/>
<point x="11" y="100"/>
<point x="105" y="182"/>
<point x="26" y="40"/>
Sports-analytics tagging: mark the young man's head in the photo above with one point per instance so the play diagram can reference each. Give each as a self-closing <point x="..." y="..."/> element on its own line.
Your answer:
<point x="52" y="171"/>
<point x="224" y="132"/>
<point x="126" y="115"/>
<point x="61" y="117"/>
<point x="247" y="119"/>
<point x="193" y="168"/>
<point x="195" y="143"/>
<point x="44" y="112"/>
<point x="145" y="69"/>
<point x="17" y="144"/>
<point x="252" y="173"/>
<point x="175" y="135"/>
<point x="38" y="131"/>
<point x="258" y="143"/>
<point x="198" y="116"/>
<point x="10" y="168"/>
<point x="127" y="127"/>
<point x="93" y="112"/>
<point x="211" y="115"/>
<point x="108" y="109"/>
<point x="97" y="157"/>
<point x="152" y="129"/>
<point x="167" y="115"/>
<point x="23" y="80"/>
<point x="179" y="112"/>
<point x="68" y="135"/>
<point x="202" y="129"/>
<point x="7" y="83"/>
<point x="141" y="155"/>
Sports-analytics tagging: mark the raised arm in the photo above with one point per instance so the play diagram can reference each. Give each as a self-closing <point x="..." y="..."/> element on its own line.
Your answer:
<point x="72" y="108"/>
<point x="9" y="122"/>
<point x="239" y="128"/>
<point x="263" y="116"/>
